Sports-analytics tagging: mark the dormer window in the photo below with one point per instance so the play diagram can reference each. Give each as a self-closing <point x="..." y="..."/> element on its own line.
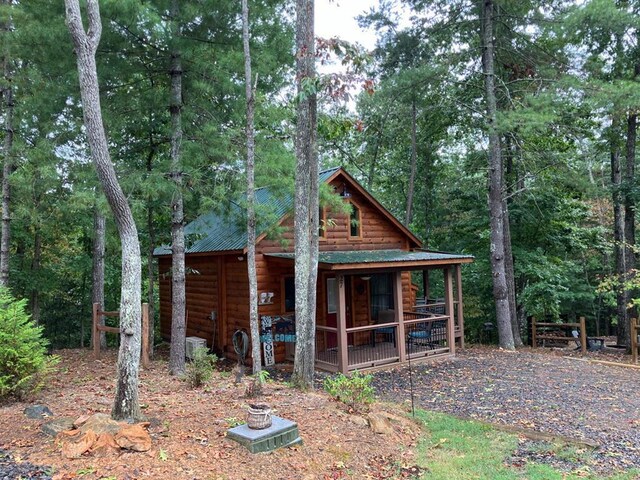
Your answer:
<point x="355" y="222"/>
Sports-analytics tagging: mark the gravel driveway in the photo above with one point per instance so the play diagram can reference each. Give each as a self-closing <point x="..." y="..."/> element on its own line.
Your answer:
<point x="533" y="390"/>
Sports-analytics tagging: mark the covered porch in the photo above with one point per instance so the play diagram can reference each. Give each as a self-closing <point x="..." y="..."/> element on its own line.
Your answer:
<point x="370" y="312"/>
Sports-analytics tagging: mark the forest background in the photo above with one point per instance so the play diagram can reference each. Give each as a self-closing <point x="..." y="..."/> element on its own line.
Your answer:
<point x="417" y="137"/>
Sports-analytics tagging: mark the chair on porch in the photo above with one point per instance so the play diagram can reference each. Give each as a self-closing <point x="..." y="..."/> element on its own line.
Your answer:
<point x="385" y="316"/>
<point x="427" y="334"/>
<point x="420" y="334"/>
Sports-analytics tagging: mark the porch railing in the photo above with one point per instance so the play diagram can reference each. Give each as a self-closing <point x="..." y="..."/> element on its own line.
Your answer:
<point x="438" y="307"/>
<point x="327" y="348"/>
<point x="426" y="334"/>
<point x="372" y="345"/>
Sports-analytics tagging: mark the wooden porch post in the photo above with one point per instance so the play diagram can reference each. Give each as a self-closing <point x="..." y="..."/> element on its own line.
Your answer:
<point x="425" y="284"/>
<point x="460" y="305"/>
<point x="341" y="314"/>
<point x="397" y="300"/>
<point x="583" y="335"/>
<point x="448" y="300"/>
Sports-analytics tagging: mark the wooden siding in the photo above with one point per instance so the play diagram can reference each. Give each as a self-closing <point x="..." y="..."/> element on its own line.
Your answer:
<point x="229" y="296"/>
<point x="377" y="232"/>
<point x="201" y="297"/>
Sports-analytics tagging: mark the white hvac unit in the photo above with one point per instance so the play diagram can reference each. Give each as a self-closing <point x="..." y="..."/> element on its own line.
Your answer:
<point x="192" y="343"/>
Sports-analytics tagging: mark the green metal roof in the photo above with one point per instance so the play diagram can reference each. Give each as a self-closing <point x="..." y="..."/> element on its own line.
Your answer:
<point x="227" y="230"/>
<point x="354" y="257"/>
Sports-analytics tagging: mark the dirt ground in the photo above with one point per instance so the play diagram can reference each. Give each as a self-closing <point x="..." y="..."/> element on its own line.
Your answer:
<point x="557" y="392"/>
<point x="188" y="429"/>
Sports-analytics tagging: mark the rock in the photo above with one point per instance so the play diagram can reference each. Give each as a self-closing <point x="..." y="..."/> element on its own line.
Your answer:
<point x="38" y="412"/>
<point x="81" y="420"/>
<point x="404" y="422"/>
<point x="134" y="437"/>
<point x="75" y="443"/>
<point x="100" y="423"/>
<point x="54" y="427"/>
<point x="380" y="424"/>
<point x="105" y="445"/>
<point x="358" y="420"/>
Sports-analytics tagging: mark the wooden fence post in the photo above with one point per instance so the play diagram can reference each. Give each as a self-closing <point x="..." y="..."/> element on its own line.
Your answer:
<point x="634" y="340"/>
<point x="145" y="335"/>
<point x="534" y="340"/>
<point x="95" y="334"/>
<point x="583" y="335"/>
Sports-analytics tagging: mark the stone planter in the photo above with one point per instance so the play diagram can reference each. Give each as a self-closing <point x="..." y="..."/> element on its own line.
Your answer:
<point x="259" y="416"/>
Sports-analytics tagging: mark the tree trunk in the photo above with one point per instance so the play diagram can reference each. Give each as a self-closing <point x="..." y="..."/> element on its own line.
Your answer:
<point x="508" y="250"/>
<point x="618" y="236"/>
<point x="151" y="268"/>
<point x="251" y="196"/>
<point x="510" y="277"/>
<point x="97" y="290"/>
<point x="630" y="207"/>
<point x="414" y="164"/>
<point x="7" y="166"/>
<point x="306" y="200"/>
<point x="178" y="307"/>
<point x="497" y="238"/>
<point x="151" y="278"/>
<point x="126" y="404"/>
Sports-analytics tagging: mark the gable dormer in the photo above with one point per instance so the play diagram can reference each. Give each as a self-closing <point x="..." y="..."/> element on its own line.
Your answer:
<point x="367" y="225"/>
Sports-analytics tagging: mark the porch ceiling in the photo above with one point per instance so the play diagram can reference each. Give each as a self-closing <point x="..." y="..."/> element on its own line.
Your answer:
<point x="381" y="259"/>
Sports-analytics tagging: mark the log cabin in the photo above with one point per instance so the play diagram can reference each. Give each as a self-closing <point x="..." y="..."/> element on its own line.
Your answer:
<point x="370" y="311"/>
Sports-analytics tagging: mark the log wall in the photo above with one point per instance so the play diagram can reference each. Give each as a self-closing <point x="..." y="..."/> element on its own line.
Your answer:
<point x="377" y="232"/>
<point x="202" y="298"/>
<point x="221" y="284"/>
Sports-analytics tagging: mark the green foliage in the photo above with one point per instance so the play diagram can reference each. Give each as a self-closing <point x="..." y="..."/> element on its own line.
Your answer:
<point x="200" y="369"/>
<point x="162" y="455"/>
<point x="455" y="448"/>
<point x="262" y="376"/>
<point x="24" y="364"/>
<point x="254" y="388"/>
<point x="233" y="422"/>
<point x="355" y="390"/>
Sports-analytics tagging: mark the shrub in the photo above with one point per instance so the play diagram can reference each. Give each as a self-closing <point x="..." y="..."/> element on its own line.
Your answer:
<point x="200" y="369"/>
<point x="254" y="388"/>
<point x="355" y="391"/>
<point x="24" y="363"/>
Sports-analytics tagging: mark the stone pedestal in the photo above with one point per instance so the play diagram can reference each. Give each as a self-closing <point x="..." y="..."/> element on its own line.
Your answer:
<point x="281" y="433"/>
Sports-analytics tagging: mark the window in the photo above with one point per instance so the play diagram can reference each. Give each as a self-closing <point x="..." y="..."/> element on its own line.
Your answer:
<point x="332" y="297"/>
<point x="355" y="223"/>
<point x="289" y="294"/>
<point x="381" y="288"/>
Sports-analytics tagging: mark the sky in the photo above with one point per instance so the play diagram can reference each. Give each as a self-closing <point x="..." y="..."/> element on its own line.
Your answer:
<point x="336" y="18"/>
